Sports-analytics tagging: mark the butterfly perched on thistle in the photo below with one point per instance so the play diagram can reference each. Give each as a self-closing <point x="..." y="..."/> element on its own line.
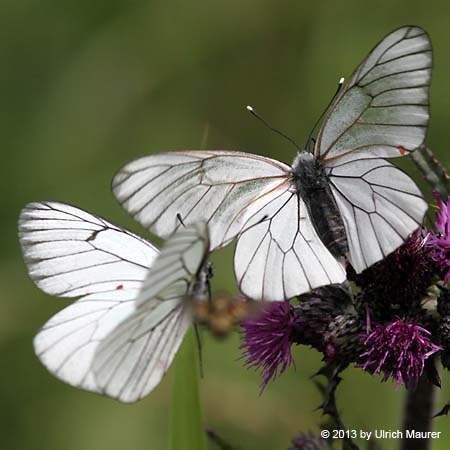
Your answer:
<point x="136" y="304"/>
<point x="296" y="224"/>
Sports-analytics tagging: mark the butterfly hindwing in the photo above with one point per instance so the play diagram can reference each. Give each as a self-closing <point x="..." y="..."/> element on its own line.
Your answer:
<point x="279" y="255"/>
<point x="133" y="359"/>
<point x="380" y="206"/>
<point x="67" y="342"/>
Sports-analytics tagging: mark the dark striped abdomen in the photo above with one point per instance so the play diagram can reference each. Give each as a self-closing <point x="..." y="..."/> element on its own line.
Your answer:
<point x="313" y="186"/>
<point x="327" y="221"/>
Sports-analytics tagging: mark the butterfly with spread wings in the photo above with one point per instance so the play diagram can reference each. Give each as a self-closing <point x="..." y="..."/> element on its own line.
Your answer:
<point x="136" y="303"/>
<point x="296" y="224"/>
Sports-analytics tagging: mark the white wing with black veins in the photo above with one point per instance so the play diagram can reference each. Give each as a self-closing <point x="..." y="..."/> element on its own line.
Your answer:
<point x="383" y="109"/>
<point x="215" y="187"/>
<point x="71" y="253"/>
<point x="280" y="255"/>
<point x="133" y="359"/>
<point x="380" y="206"/>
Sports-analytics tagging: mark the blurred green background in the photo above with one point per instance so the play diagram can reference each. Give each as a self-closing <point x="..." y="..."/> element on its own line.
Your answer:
<point x="86" y="86"/>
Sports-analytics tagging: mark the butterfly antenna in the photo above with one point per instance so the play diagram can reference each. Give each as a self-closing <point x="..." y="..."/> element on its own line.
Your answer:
<point x="308" y="141"/>
<point x="252" y="111"/>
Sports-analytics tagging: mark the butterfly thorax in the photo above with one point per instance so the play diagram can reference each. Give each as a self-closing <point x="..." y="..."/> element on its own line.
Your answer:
<point x="311" y="182"/>
<point x="199" y="289"/>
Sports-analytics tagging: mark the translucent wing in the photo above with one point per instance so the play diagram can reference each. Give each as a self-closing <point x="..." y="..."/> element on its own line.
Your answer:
<point x="279" y="255"/>
<point x="380" y="206"/>
<point x="209" y="186"/>
<point x="132" y="360"/>
<point x="383" y="109"/>
<point x="71" y="253"/>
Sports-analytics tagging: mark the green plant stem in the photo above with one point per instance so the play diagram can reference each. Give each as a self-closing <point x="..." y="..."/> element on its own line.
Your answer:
<point x="186" y="429"/>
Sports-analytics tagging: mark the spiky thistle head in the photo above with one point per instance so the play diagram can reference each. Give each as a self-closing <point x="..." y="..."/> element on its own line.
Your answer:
<point x="267" y="340"/>
<point x="324" y="319"/>
<point x="399" y="350"/>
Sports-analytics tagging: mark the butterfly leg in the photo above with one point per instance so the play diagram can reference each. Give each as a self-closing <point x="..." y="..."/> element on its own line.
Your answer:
<point x="199" y="348"/>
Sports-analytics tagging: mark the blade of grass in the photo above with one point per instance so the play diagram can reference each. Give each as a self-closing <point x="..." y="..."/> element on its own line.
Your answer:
<point x="186" y="428"/>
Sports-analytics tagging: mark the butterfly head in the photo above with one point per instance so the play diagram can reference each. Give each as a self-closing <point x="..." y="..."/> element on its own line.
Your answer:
<point x="307" y="173"/>
<point x="305" y="165"/>
<point x="303" y="158"/>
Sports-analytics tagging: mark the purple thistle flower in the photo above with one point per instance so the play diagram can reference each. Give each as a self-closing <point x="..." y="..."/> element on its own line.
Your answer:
<point x="399" y="350"/>
<point x="268" y="339"/>
<point x="439" y="243"/>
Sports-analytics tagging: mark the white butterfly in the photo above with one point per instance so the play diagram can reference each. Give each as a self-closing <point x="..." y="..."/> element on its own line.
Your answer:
<point x="295" y="223"/>
<point x="120" y="338"/>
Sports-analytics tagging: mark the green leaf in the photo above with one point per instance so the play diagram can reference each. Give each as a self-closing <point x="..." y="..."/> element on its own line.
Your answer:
<point x="186" y="429"/>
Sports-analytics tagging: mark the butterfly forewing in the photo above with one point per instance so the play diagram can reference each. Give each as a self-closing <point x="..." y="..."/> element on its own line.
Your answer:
<point x="68" y="253"/>
<point x="132" y="360"/>
<point x="383" y="109"/>
<point x="215" y="187"/>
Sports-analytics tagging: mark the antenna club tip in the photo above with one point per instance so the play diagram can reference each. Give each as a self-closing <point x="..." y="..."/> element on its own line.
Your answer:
<point x="249" y="108"/>
<point x="341" y="81"/>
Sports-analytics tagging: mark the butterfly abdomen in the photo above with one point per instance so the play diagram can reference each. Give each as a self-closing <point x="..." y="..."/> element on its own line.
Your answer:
<point x="328" y="222"/>
<point x="312" y="184"/>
